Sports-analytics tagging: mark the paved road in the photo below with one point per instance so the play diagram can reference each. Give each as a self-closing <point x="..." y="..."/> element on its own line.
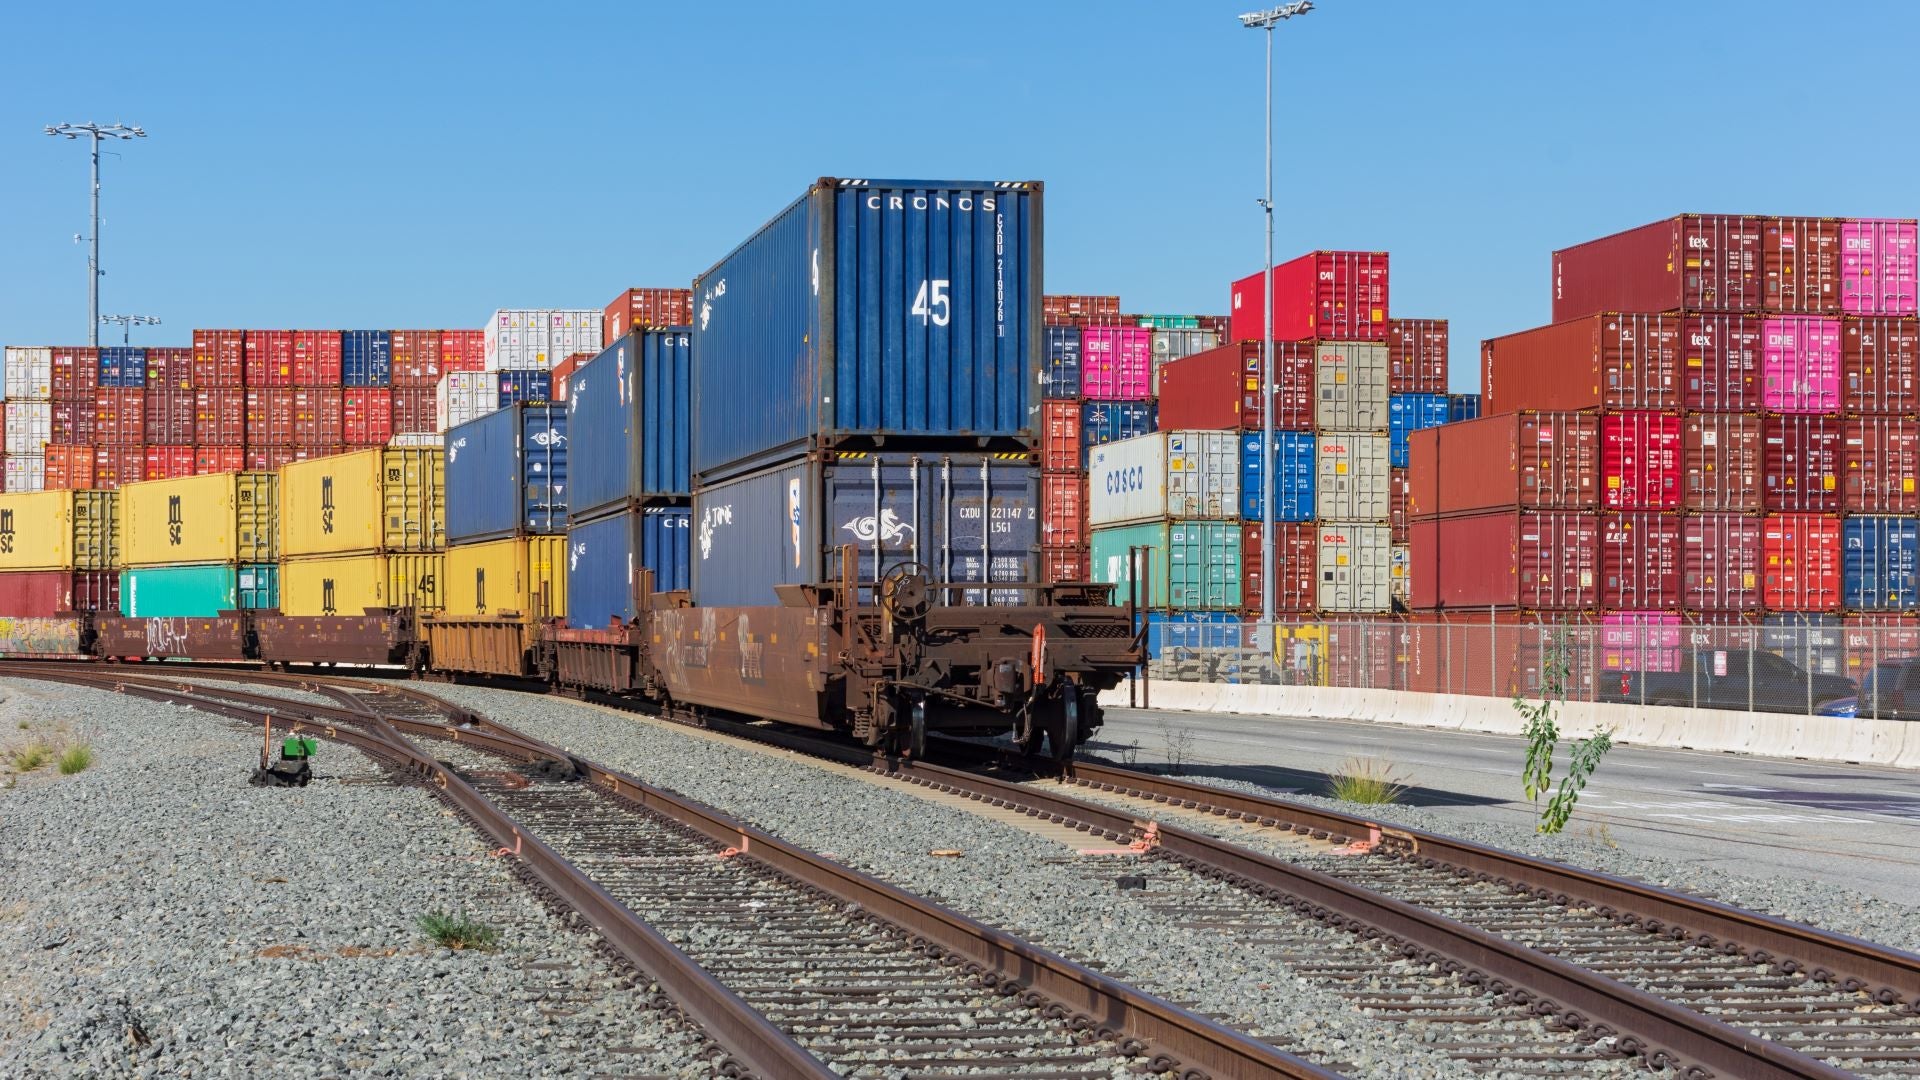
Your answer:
<point x="1754" y="816"/>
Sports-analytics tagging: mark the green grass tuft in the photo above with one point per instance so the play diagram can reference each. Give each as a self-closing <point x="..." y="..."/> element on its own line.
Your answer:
<point x="1366" y="781"/>
<point x="32" y="756"/>
<point x="75" y="759"/>
<point x="458" y="931"/>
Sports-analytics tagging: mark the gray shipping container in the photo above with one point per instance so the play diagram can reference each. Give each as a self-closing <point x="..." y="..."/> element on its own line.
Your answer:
<point x="1171" y="345"/>
<point x="1356" y="566"/>
<point x="1353" y="476"/>
<point x="1350" y="386"/>
<point x="951" y="513"/>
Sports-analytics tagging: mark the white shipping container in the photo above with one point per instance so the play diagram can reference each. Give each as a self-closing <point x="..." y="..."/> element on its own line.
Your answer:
<point x="1190" y="475"/>
<point x="535" y="339"/>
<point x="1398" y="585"/>
<point x="1352" y="476"/>
<point x="418" y="438"/>
<point x="28" y="373"/>
<point x="26" y="472"/>
<point x="461" y="396"/>
<point x="29" y="426"/>
<point x="1350" y="382"/>
<point x="1355" y="564"/>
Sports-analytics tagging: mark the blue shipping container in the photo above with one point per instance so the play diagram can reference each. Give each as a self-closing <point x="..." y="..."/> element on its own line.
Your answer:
<point x="507" y="474"/>
<point x="1060" y="363"/>
<point x="1195" y="630"/>
<point x="953" y="514"/>
<point x="604" y="556"/>
<point x="870" y="307"/>
<point x="1103" y="422"/>
<point x="366" y="357"/>
<point x="1295" y="469"/>
<point x="1880" y="564"/>
<point x="525" y="386"/>
<point x="123" y="366"/>
<point x="1462" y="407"/>
<point x="629" y="411"/>
<point x="1408" y="413"/>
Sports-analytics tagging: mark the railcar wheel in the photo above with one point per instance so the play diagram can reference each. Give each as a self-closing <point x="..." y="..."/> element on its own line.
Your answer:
<point x="917" y="730"/>
<point x="1063" y="734"/>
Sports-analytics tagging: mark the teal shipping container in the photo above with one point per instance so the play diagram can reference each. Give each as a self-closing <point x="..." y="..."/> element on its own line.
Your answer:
<point x="204" y="590"/>
<point x="1194" y="565"/>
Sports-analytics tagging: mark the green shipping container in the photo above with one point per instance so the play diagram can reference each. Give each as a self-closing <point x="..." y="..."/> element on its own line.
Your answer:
<point x="205" y="590"/>
<point x="1195" y="565"/>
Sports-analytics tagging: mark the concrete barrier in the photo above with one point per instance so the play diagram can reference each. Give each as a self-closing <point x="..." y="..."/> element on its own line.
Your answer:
<point x="1775" y="735"/>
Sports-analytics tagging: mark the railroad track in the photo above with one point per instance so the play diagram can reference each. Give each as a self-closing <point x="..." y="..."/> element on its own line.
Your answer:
<point x="791" y="964"/>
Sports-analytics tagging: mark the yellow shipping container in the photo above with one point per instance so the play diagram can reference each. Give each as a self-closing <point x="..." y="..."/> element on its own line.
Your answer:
<point x="383" y="499"/>
<point x="525" y="576"/>
<point x="59" y="530"/>
<point x="220" y="517"/>
<point x="350" y="584"/>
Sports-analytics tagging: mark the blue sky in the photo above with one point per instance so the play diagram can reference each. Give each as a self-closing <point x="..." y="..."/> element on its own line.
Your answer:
<point x="423" y="164"/>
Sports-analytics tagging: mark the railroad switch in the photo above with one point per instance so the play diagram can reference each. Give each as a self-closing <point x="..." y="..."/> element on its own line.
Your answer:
<point x="295" y="765"/>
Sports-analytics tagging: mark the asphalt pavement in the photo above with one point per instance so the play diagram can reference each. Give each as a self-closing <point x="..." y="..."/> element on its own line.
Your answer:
<point x="1760" y="817"/>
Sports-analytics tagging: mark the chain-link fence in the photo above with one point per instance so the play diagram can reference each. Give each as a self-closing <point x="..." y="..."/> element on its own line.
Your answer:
<point x="1811" y="665"/>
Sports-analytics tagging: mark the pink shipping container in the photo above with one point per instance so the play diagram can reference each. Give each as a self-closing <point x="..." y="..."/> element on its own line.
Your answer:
<point x="366" y="415"/>
<point x="1639" y="560"/>
<point x="1116" y="363"/>
<point x="1720" y="563"/>
<point x="1879" y="274"/>
<point x="1640" y="641"/>
<point x="1800" y="364"/>
<point x="1800" y="459"/>
<point x="1880" y="463"/>
<point x="1640" y="461"/>
<point x="1802" y="560"/>
<point x="1721" y="361"/>
<point x="1880" y="365"/>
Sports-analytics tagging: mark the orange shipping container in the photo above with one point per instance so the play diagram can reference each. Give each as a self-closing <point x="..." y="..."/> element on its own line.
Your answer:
<point x="1802" y="558"/>
<point x="69" y="468"/>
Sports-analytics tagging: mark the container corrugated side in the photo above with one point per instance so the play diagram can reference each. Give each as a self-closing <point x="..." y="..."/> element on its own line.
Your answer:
<point x="59" y="530"/>
<point x="1193" y="565"/>
<point x="1353" y="476"/>
<point x="198" y="591"/>
<point x="1692" y="262"/>
<point x="1355" y="567"/>
<point x="219" y="518"/>
<point x="351" y="584"/>
<point x="1168" y="474"/>
<point x="46" y="593"/>
<point x="520" y="576"/>
<point x="605" y="556"/>
<point x="1296" y="466"/>
<point x="1531" y="560"/>
<point x="507" y="473"/>
<point x="390" y="499"/>
<point x="871" y="308"/>
<point x="629" y="414"/>
<point x="1880" y="564"/>
<point x="1350" y="386"/>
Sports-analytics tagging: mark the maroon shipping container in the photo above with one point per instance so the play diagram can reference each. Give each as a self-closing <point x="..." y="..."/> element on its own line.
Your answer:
<point x="1060" y="436"/>
<point x="416" y="357"/>
<point x="1869" y="639"/>
<point x="1063" y="509"/>
<point x="366" y="416"/>
<point x="316" y="358"/>
<point x="1325" y="295"/>
<point x="167" y="462"/>
<point x="1720" y="361"/>
<point x="1640" y="461"/>
<point x="413" y="411"/>
<point x="1801" y="562"/>
<point x="1640" y="561"/>
<point x="1064" y="564"/>
<point x="1723" y="463"/>
<point x="317" y="419"/>
<point x="1399" y="486"/>
<point x="1416" y="356"/>
<point x="218" y="459"/>
<point x="1695" y="262"/>
<point x="116" y="465"/>
<point x="1720" y="563"/>
<point x="1880" y="465"/>
<point x="119" y="415"/>
<point x="269" y="417"/>
<point x="1611" y="360"/>
<point x="1800" y="463"/>
<point x="646" y="307"/>
<point x="269" y="358"/>
<point x="1060" y="309"/>
<point x="38" y="594"/>
<point x="220" y="417"/>
<point x="169" y="369"/>
<point x="73" y="421"/>
<point x="169" y="416"/>
<point x="1362" y="651"/>
<point x="1219" y="389"/>
<point x="219" y="358"/>
<point x="76" y="373"/>
<point x="1801" y="260"/>
<point x="268" y="458"/>
<point x="1528" y="460"/>
<point x="1880" y="365"/>
<point x="1296" y="547"/>
<point x="1537" y="560"/>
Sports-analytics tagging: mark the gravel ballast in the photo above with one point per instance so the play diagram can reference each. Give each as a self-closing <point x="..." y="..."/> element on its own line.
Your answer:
<point x="162" y="918"/>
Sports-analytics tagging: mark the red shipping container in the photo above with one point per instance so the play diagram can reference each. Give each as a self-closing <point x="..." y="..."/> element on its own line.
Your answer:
<point x="463" y="350"/>
<point x="1417" y="356"/>
<point x="40" y="594"/>
<point x="1063" y="509"/>
<point x="366" y="416"/>
<point x="317" y="419"/>
<point x="1720" y="563"/>
<point x="1219" y="389"/>
<point x="1640" y="561"/>
<point x="169" y="369"/>
<point x="1398" y="489"/>
<point x="1064" y="564"/>
<point x="1060" y="436"/>
<point x="220" y="417"/>
<point x="218" y="459"/>
<point x="269" y="458"/>
<point x="1611" y="360"/>
<point x="269" y="357"/>
<point x="1362" y="652"/>
<point x="413" y="411"/>
<point x="76" y="373"/>
<point x="1693" y="262"/>
<point x="169" y="417"/>
<point x="1535" y="560"/>
<point x="1640" y="462"/>
<point x="316" y="358"/>
<point x="1800" y="462"/>
<point x="72" y="421"/>
<point x="1869" y="639"/>
<point x="167" y="462"/>
<point x="69" y="468"/>
<point x="269" y="417"/>
<point x="1880" y="365"/>
<point x="116" y="465"/>
<point x="1801" y="260"/>
<point x="1723" y="463"/>
<point x="119" y="415"/>
<point x="416" y="357"/>
<point x="1720" y="361"/>
<point x="1296" y="548"/>
<point x="1328" y="295"/>
<point x="1802" y="562"/>
<point x="1880" y="465"/>
<point x="647" y="307"/>
<point x="1058" y="310"/>
<point x="1528" y="460"/>
<point x="564" y="370"/>
<point x="219" y="358"/>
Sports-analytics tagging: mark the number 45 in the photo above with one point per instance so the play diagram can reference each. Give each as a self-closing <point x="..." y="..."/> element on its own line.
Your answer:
<point x="932" y="304"/>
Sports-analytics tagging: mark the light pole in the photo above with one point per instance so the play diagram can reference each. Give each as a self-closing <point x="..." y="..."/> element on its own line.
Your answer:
<point x="96" y="132"/>
<point x="1266" y="21"/>
<point x="128" y="322"/>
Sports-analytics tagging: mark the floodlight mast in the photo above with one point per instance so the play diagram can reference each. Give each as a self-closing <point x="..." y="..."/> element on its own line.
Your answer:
<point x="95" y="132"/>
<point x="128" y="322"/>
